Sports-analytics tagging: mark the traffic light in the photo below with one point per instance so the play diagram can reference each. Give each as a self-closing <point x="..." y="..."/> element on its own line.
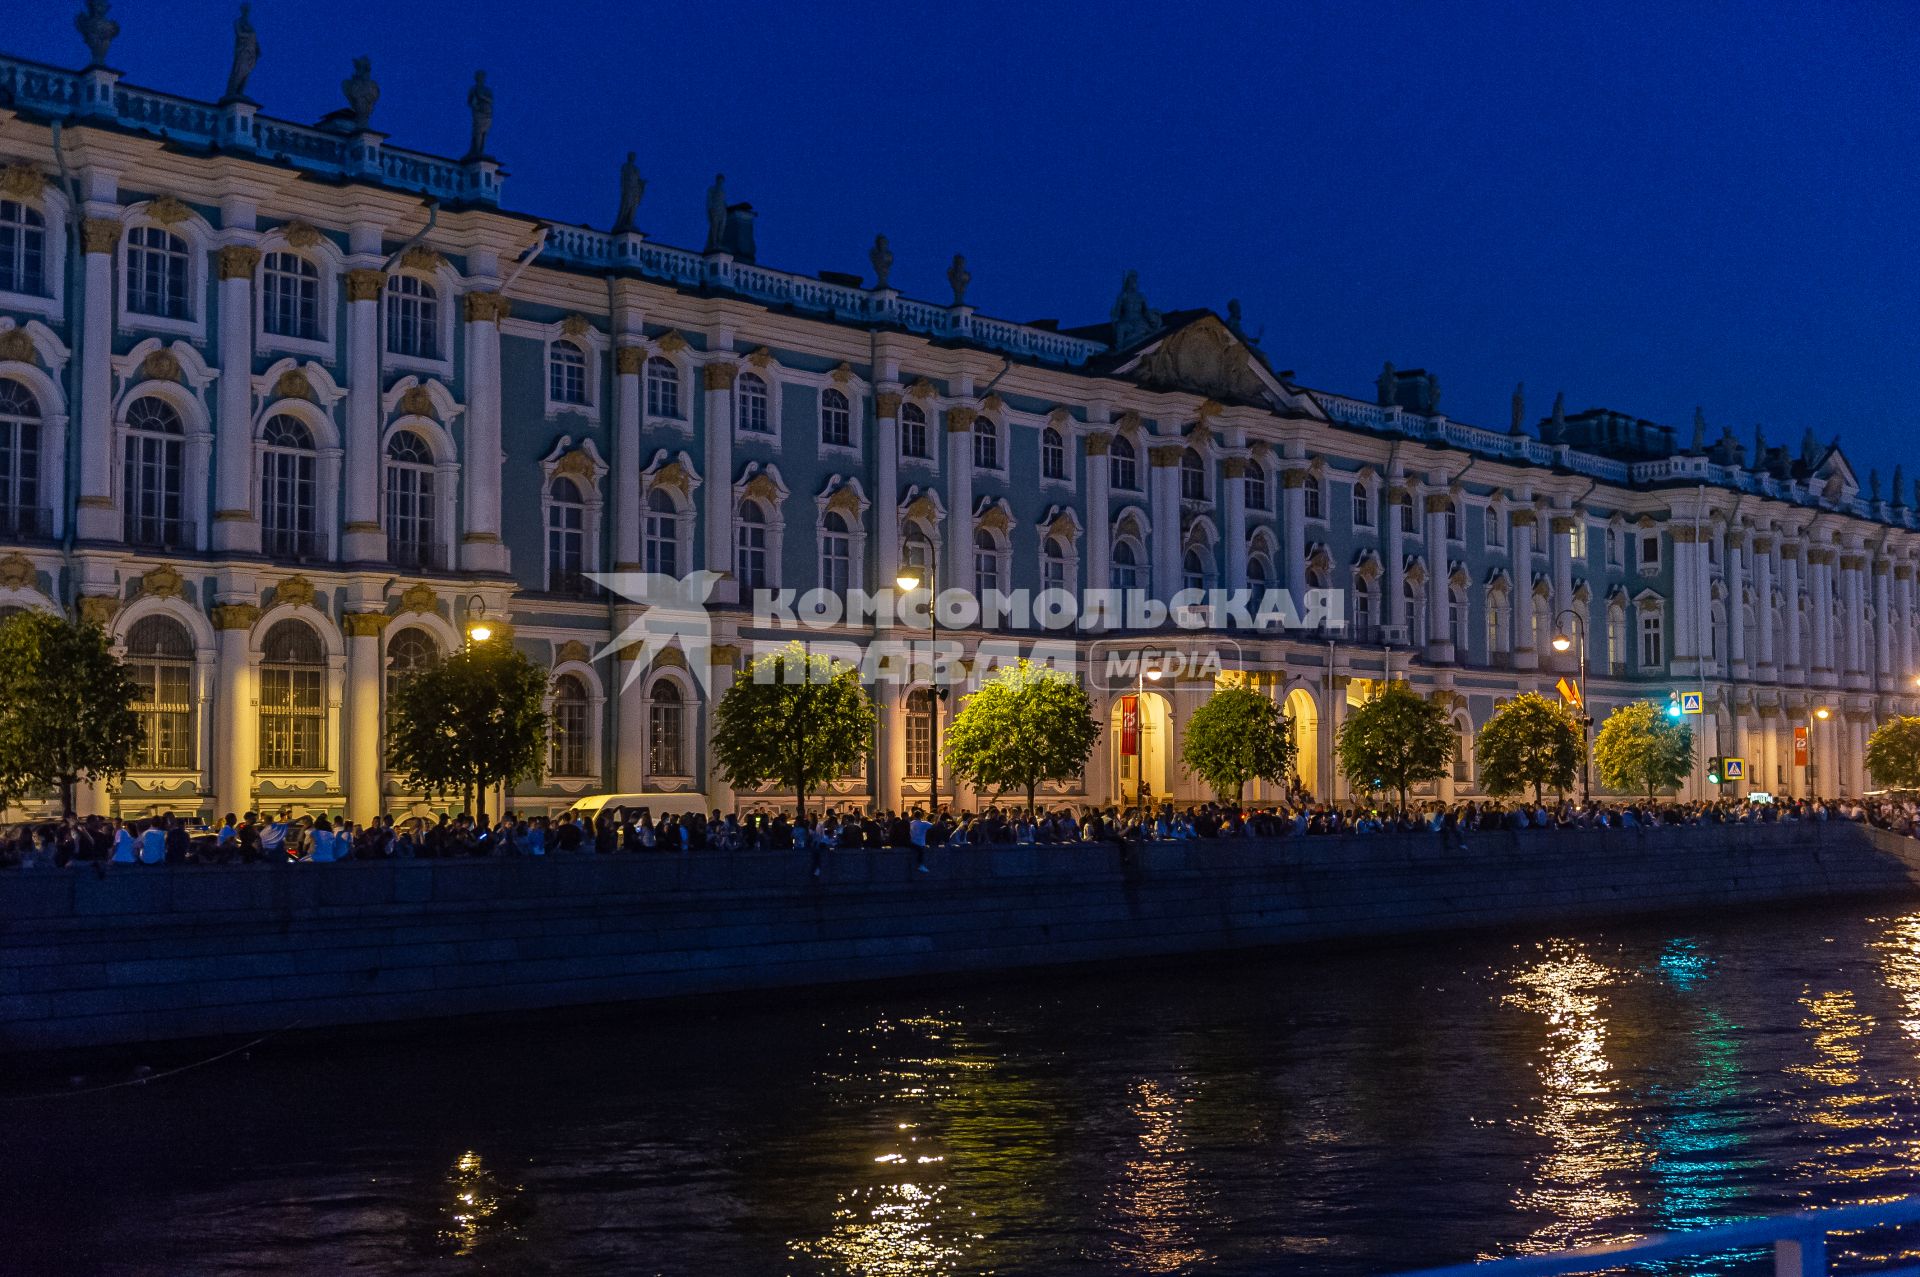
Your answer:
<point x="1716" y="769"/>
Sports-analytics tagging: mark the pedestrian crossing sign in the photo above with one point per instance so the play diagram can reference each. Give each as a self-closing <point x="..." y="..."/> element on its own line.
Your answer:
<point x="1736" y="768"/>
<point x="1689" y="702"/>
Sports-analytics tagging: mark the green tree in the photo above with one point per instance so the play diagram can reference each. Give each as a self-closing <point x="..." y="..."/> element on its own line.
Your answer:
<point x="1529" y="741"/>
<point x="66" y="706"/>
<point x="1395" y="741"/>
<point x="1893" y="753"/>
<point x="1642" y="748"/>
<point x="475" y="720"/>
<point x="796" y="718"/>
<point x="1027" y="724"/>
<point x="1234" y="736"/>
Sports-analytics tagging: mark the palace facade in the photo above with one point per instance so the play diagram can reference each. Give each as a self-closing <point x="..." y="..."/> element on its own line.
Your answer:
<point x="289" y="408"/>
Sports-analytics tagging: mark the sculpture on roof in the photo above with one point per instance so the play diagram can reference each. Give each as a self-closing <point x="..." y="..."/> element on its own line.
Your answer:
<point x="632" y="188"/>
<point x="1759" y="445"/>
<point x="1133" y="320"/>
<point x="1699" y="431"/>
<point x="1430" y="401"/>
<point x="1809" y="447"/>
<point x="98" y="30"/>
<point x="958" y="277"/>
<point x="717" y="213"/>
<point x="882" y="259"/>
<point x="1383" y="385"/>
<point x="1518" y="424"/>
<point x="1898" y="483"/>
<point x="361" y="93"/>
<point x="1556" y="431"/>
<point x="246" y="55"/>
<point x="1873" y="485"/>
<point x="480" y="105"/>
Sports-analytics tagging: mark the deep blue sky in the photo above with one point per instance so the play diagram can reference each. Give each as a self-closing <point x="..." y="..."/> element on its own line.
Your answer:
<point x="1651" y="206"/>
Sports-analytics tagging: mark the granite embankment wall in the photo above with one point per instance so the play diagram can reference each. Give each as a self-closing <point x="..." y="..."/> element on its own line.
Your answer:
<point x="152" y="953"/>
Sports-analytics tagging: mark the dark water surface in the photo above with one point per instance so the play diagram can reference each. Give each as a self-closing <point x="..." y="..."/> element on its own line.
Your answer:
<point x="1353" y="1113"/>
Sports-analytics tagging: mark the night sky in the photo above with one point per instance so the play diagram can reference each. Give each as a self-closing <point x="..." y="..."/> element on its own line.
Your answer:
<point x="1650" y="207"/>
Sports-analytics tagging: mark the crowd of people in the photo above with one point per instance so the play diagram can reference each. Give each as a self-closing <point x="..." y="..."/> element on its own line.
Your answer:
<point x="283" y="838"/>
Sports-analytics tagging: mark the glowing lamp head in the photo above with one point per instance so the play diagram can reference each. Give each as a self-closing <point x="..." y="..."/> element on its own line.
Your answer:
<point x="1561" y="643"/>
<point x="1154" y="674"/>
<point x="479" y="631"/>
<point x="908" y="580"/>
<point x="1823" y="713"/>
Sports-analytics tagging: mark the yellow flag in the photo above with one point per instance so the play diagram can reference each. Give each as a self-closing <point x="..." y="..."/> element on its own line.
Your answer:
<point x="1569" y="691"/>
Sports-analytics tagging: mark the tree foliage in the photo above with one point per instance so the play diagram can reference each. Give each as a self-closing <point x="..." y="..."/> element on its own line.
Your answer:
<point x="795" y="718"/>
<point x="1641" y="748"/>
<point x="1893" y="753"/>
<point x="1026" y="725"/>
<point x="1529" y="741"/>
<point x="475" y="720"/>
<point x="1234" y="736"/>
<point x="1395" y="741"/>
<point x="66" y="706"/>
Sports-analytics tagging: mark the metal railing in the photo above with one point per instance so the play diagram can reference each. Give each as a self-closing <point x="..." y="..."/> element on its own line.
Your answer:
<point x="1798" y="1242"/>
<point x="297" y="545"/>
<point x="419" y="556"/>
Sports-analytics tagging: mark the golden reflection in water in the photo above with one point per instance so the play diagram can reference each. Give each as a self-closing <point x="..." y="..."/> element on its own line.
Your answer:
<point x="1156" y="1199"/>
<point x="1843" y="1100"/>
<point x="1582" y="1180"/>
<point x="480" y="1209"/>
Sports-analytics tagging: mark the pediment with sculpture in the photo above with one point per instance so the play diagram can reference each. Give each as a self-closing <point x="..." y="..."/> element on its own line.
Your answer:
<point x="1205" y="358"/>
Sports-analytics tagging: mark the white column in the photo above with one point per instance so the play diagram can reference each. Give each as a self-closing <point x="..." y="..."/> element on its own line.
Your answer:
<point x="956" y="573"/>
<point x="1763" y="606"/>
<point x="236" y="748"/>
<point x="234" y="525"/>
<point x="1396" y="556"/>
<point x="1820" y="564"/>
<point x="720" y="678"/>
<point x="1235" y="494"/>
<point x="716" y="379"/>
<point x="1883" y="623"/>
<point x="629" y="716"/>
<point x="1293" y="533"/>
<point x="1560" y="561"/>
<point x="1794" y="660"/>
<point x="1439" y="633"/>
<point x="98" y="517"/>
<point x="628" y="362"/>
<point x="1736" y="611"/>
<point x="886" y="483"/>
<point x="1903" y="590"/>
<point x="363" y="539"/>
<point x="1687" y="591"/>
<point x="1165" y="550"/>
<point x="1099" y="511"/>
<point x="890" y="759"/>
<point x="1525" y="655"/>
<point x="365" y="732"/>
<point x="481" y="549"/>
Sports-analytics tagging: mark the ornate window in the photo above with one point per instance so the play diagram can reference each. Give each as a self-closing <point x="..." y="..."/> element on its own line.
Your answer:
<point x="836" y="419"/>
<point x="1653" y="648"/>
<point x="1362" y="505"/>
<point x="660" y="534"/>
<point x="566" y="373"/>
<point x="571" y="707"/>
<point x="1193" y="476"/>
<point x="919" y="734"/>
<point x="750" y="547"/>
<point x="751" y="394"/>
<point x="663" y="388"/>
<point x="986" y="562"/>
<point x="1053" y="565"/>
<point x="288" y="496"/>
<point x="1315" y="506"/>
<point x="836" y="553"/>
<point x="1499" y="626"/>
<point x="1362" y="605"/>
<point x="1416" y="614"/>
<point x="1408" y="521"/>
<point x="293" y="699"/>
<point x="913" y="432"/>
<point x="1457" y="619"/>
<point x="1495" y="528"/>
<point x="160" y="663"/>
<point x="410" y="502"/>
<point x="155" y="444"/>
<point x="1452" y="519"/>
<point x="23" y="249"/>
<point x="1125" y="569"/>
<point x="290" y="296"/>
<point x="1053" y="454"/>
<point x="1123" y="465"/>
<point x="666" y="730"/>
<point x="413" y="317"/>
<point x="1194" y="569"/>
<point x="986" y="444"/>
<point x="917" y="550"/>
<point x="1617" y="640"/>
<point x="19" y="461"/>
<point x="1462" y="753"/>
<point x="566" y="537"/>
<point x="1256" y="486"/>
<point x="410" y="653"/>
<point x="157" y="273"/>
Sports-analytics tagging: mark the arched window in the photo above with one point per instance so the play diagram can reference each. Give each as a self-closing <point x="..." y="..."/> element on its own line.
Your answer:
<point x="1256" y="486"/>
<point x="666" y="730"/>
<point x="836" y="419"/>
<point x="1193" y="476"/>
<point x="751" y="394"/>
<point x="660" y="534"/>
<point x="23" y="249"/>
<point x="1408" y="521"/>
<point x="566" y="538"/>
<point x="1194" y="569"/>
<point x="570" y="710"/>
<point x="1123" y="465"/>
<point x="1617" y="640"/>
<point x="1053" y="454"/>
<point x="157" y="273"/>
<point x="1125" y="571"/>
<point x="1363" y="609"/>
<point x="1317" y="578"/>
<point x="986" y="444"/>
<point x="287" y="490"/>
<point x="290" y="296"/>
<point x="1462" y="752"/>
<point x="986" y="562"/>
<point x="663" y="388"/>
<point x="1312" y="497"/>
<point x="566" y="372"/>
<point x="1495" y="527"/>
<point x="919" y="734"/>
<point x="750" y="547"/>
<point x="155" y="444"/>
<point x="1362" y="506"/>
<point x="293" y="699"/>
<point x="913" y="431"/>
<point x="1416" y="614"/>
<point x="836" y="553"/>
<point x="413" y="317"/>
<point x="1499" y="627"/>
<point x="916" y="550"/>
<point x="410" y="502"/>
<point x="19" y="462"/>
<point x="1457" y="619"/>
<point x="410" y="653"/>
<point x="160" y="662"/>
<point x="1053" y="565"/>
<point x="1453" y="519"/>
<point x="1257" y="574"/>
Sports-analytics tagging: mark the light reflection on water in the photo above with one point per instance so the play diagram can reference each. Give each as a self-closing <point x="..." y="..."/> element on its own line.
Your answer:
<point x="1351" y="1113"/>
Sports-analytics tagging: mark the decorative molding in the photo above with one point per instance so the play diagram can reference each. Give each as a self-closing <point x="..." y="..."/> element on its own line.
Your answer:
<point x="718" y="376"/>
<point x="100" y="234"/>
<point x="168" y="211"/>
<point x="485" y="308"/>
<point x="577" y="463"/>
<point x="1234" y="467"/>
<point x="416" y="402"/>
<point x="1099" y="444"/>
<point x="296" y="590"/>
<point x="238" y="261"/>
<point x="364" y="624"/>
<point x="97" y="609"/>
<point x="842" y="374"/>
<point x="886" y="404"/>
<point x="419" y="597"/>
<point x="365" y="285"/>
<point x="671" y="342"/>
<point x="293" y="384"/>
<point x="630" y="361"/>
<point x="18" y="573"/>
<point x="722" y="653"/>
<point x="1166" y="454"/>
<point x="300" y="235"/>
<point x="160" y="365"/>
<point x="235" y="616"/>
<point x="571" y="650"/>
<point x="575" y="325"/>
<point x="422" y="258"/>
<point x="163" y="582"/>
<point x="761" y="358"/>
<point x="16" y="346"/>
<point x="921" y="389"/>
<point x="959" y="418"/>
<point x="668" y="658"/>
<point x="22" y="182"/>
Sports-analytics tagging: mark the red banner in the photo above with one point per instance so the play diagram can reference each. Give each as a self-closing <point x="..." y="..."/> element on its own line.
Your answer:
<point x="1799" y="747"/>
<point x="1130" y="725"/>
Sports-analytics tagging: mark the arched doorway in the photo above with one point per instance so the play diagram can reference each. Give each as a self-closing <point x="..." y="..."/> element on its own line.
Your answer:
<point x="1155" y="722"/>
<point x="1304" y="715"/>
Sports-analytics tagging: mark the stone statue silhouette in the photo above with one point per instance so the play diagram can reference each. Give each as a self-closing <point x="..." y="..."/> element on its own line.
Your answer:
<point x="882" y="259"/>
<point x="480" y="104"/>
<point x="246" y="55"/>
<point x="958" y="278"/>
<point x="1899" y="483"/>
<point x="98" y="30"/>
<point x="1133" y="319"/>
<point x="1518" y="426"/>
<point x="361" y="93"/>
<point x="1873" y="485"/>
<point x="1556" y="430"/>
<point x="1383" y="385"/>
<point x="1699" y="431"/>
<point x="717" y="213"/>
<point x="633" y="188"/>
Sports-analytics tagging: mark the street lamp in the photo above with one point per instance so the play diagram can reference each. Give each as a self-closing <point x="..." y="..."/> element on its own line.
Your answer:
<point x="1561" y="642"/>
<point x="1822" y="713"/>
<point x="1140" y="675"/>
<point x="908" y="580"/>
<point x="478" y="630"/>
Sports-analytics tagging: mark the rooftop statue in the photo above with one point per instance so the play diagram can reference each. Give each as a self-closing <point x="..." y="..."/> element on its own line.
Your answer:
<point x="882" y="259"/>
<point x="1759" y="444"/>
<point x="480" y="103"/>
<point x="1898" y="483"/>
<point x="958" y="279"/>
<point x="1518" y="424"/>
<point x="633" y="188"/>
<point x="1383" y="385"/>
<point x="246" y="55"/>
<point x="1699" y="431"/>
<point x="1873" y="485"/>
<point x="1809" y="447"/>
<point x="717" y="213"/>
<point x="1556" y="431"/>
<point x="1133" y="319"/>
<point x="98" y="30"/>
<point x="361" y="93"/>
<point x="1431" y="400"/>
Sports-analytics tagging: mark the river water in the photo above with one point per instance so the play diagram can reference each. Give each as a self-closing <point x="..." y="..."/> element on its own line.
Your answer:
<point x="1358" y="1112"/>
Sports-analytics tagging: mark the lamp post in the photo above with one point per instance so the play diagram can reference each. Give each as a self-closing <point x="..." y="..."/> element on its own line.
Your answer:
<point x="1820" y="715"/>
<point x="1561" y="642"/>
<point x="478" y="631"/>
<point x="909" y="581"/>
<point x="1140" y="676"/>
